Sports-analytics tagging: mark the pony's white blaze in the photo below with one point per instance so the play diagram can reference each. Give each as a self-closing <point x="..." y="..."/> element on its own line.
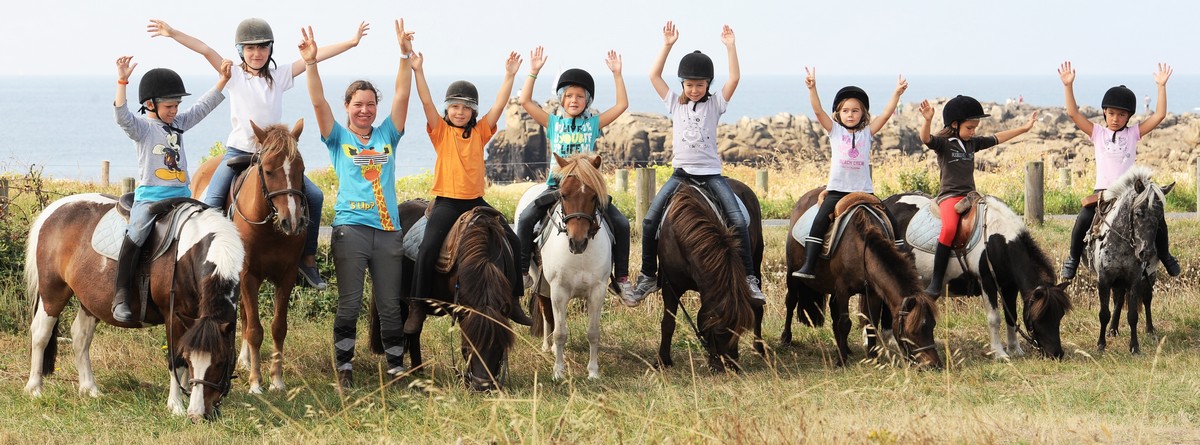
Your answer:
<point x="225" y="251"/>
<point x="200" y="363"/>
<point x="293" y="204"/>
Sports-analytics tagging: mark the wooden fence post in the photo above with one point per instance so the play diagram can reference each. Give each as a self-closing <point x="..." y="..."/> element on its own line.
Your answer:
<point x="1064" y="177"/>
<point x="127" y="185"/>
<point x="645" y="194"/>
<point x="623" y="180"/>
<point x="761" y="179"/>
<point x="1198" y="187"/>
<point x="104" y="173"/>
<point x="1034" y="187"/>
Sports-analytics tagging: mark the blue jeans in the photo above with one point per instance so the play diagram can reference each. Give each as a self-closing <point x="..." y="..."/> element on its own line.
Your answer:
<point x="719" y="188"/>
<point x="222" y="178"/>
<point x="140" y="222"/>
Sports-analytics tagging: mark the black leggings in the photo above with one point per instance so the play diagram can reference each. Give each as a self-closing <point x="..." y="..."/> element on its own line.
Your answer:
<point x="822" y="221"/>
<point x="441" y="219"/>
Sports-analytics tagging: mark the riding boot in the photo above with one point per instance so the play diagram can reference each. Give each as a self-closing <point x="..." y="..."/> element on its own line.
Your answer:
<point x="127" y="261"/>
<point x="516" y="314"/>
<point x="812" y="250"/>
<point x="941" y="258"/>
<point x="1070" y="265"/>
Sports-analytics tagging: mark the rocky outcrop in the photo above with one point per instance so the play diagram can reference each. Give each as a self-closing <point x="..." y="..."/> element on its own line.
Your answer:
<point x="637" y="139"/>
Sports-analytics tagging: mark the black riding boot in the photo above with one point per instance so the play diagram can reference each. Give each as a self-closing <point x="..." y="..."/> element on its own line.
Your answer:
<point x="812" y="251"/>
<point x="941" y="258"/>
<point x="516" y="314"/>
<point x="127" y="261"/>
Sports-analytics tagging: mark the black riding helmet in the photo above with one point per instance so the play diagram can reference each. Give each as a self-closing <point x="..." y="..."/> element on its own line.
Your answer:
<point x="962" y="108"/>
<point x="576" y="76"/>
<point x="851" y="92"/>
<point x="695" y="65"/>
<point x="463" y="91"/>
<point x="1120" y="97"/>
<point x="160" y="83"/>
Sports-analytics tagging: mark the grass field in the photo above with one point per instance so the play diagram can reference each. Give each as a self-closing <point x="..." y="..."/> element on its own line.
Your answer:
<point x="794" y="395"/>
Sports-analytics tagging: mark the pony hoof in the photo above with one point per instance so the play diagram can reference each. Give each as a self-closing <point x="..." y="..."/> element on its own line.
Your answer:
<point x="277" y="386"/>
<point x="255" y="389"/>
<point x="1100" y="347"/>
<point x="33" y="390"/>
<point x="595" y="376"/>
<point x="1135" y="350"/>
<point x="1112" y="332"/>
<point x="785" y="339"/>
<point x="663" y="365"/>
<point x="90" y="391"/>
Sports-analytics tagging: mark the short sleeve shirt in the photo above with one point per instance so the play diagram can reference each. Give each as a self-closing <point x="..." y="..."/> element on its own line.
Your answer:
<point x="956" y="160"/>
<point x="569" y="136"/>
<point x="366" y="176"/>
<point x="850" y="170"/>
<point x="1115" y="153"/>
<point x="695" y="133"/>
<point x="459" y="172"/>
<point x="251" y="98"/>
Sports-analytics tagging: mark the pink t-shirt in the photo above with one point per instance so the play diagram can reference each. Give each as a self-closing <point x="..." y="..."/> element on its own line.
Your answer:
<point x="1114" y="156"/>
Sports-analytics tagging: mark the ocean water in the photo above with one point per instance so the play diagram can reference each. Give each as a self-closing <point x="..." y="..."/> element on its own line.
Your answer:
<point x="65" y="125"/>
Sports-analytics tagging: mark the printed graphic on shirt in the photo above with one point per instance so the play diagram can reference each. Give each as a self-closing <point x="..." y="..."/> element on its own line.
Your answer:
<point x="371" y="163"/>
<point x="693" y="133"/>
<point x="959" y="154"/>
<point x="170" y="159"/>
<point x="573" y="136"/>
<point x="1118" y="146"/>
<point x="849" y="144"/>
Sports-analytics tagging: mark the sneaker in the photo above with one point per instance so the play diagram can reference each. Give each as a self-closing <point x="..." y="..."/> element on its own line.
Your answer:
<point x="527" y="280"/>
<point x="645" y="285"/>
<point x="756" y="295"/>
<point x="1172" y="265"/>
<point x="312" y="278"/>
<point x="1071" y="264"/>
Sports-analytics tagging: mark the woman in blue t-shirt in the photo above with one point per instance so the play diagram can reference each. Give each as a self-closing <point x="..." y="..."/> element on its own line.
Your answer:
<point x="573" y="129"/>
<point x="366" y="226"/>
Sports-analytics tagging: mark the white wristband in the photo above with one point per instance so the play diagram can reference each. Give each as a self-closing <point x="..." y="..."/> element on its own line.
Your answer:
<point x="405" y="56"/>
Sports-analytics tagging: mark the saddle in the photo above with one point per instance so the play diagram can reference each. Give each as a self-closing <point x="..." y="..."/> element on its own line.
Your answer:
<point x="168" y="214"/>
<point x="845" y="209"/>
<point x="449" y="252"/>
<point x="926" y="225"/>
<point x="968" y="211"/>
<point x="712" y="201"/>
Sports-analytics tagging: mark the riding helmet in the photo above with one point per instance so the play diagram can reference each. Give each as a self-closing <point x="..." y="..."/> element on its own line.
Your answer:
<point x="851" y="92"/>
<point x="696" y="66"/>
<point x="253" y="31"/>
<point x="576" y="76"/>
<point x="1121" y="98"/>
<point x="463" y="91"/>
<point x="160" y="83"/>
<point x="962" y="108"/>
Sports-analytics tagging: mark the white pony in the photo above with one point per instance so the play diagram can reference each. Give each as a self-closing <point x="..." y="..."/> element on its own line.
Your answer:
<point x="576" y="257"/>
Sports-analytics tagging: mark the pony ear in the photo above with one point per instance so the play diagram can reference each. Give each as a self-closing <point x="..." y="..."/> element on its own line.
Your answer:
<point x="297" y="129"/>
<point x="561" y="162"/>
<point x="596" y="161"/>
<point x="1063" y="285"/>
<point x="259" y="134"/>
<point x="1139" y="186"/>
<point x="226" y="328"/>
<point x="1167" y="188"/>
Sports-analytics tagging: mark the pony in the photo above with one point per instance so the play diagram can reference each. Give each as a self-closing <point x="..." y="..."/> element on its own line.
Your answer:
<point x="1122" y="250"/>
<point x="270" y="211"/>
<point x="1006" y="261"/>
<point x="865" y="261"/>
<point x="475" y="291"/>
<point x="698" y="252"/>
<point x="570" y="268"/>
<point x="192" y="288"/>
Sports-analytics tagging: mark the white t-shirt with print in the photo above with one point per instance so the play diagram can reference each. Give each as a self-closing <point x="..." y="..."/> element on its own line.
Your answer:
<point x="850" y="168"/>
<point x="695" y="138"/>
<point x="251" y="99"/>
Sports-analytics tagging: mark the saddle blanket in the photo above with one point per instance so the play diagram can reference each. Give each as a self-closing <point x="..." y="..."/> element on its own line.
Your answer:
<point x="924" y="228"/>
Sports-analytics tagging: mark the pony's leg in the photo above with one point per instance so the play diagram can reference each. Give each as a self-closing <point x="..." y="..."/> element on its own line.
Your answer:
<point x="558" y="300"/>
<point x="279" y="328"/>
<point x="175" y="403"/>
<point x="43" y="330"/>
<point x="869" y="310"/>
<point x="547" y="311"/>
<point x="1135" y="303"/>
<point x="252" y="332"/>
<point x="760" y="346"/>
<point x="1010" y="304"/>
<point x="595" y="307"/>
<point x="670" y="309"/>
<point x="1146" y="297"/>
<point x="1105" y="292"/>
<point x="1118" y="303"/>
<point x="839" y="311"/>
<point x="82" y="332"/>
<point x="790" y="302"/>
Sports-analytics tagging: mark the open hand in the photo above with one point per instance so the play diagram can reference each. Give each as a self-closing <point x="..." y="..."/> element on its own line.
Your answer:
<point x="124" y="69"/>
<point x="727" y="36"/>
<point x="1066" y="73"/>
<point x="158" y="28"/>
<point x="1164" y="73"/>
<point x="613" y="61"/>
<point x="363" y="27"/>
<point x="512" y="63"/>
<point x="670" y="34"/>
<point x="926" y="110"/>
<point x="537" y="59"/>
<point x="308" y="46"/>
<point x="1032" y="120"/>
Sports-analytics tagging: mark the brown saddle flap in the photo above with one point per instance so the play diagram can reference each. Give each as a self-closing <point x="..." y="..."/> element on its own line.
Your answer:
<point x="968" y="210"/>
<point x="1090" y="200"/>
<point x="449" y="250"/>
<point x="854" y="199"/>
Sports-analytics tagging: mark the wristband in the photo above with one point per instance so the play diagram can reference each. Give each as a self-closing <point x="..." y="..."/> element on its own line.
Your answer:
<point x="122" y="82"/>
<point x="310" y="63"/>
<point x="405" y="56"/>
<point x="533" y="76"/>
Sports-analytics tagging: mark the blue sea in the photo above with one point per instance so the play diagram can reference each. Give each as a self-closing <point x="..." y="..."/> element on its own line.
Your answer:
<point x="65" y="127"/>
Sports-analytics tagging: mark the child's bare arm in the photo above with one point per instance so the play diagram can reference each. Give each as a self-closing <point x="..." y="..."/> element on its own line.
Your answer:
<point x="327" y="52"/>
<point x="927" y="121"/>
<point x="810" y="81"/>
<point x="1007" y="135"/>
<point x="432" y="117"/>
<point x="159" y="28"/>
<point x="735" y="70"/>
<point x="1160" y="111"/>
<point x="536" y="60"/>
<point x="511" y="65"/>
<point x="889" y="109"/>
<point x="670" y="35"/>
<point x="124" y="70"/>
<point x="1067" y="74"/>
<point x="608" y="116"/>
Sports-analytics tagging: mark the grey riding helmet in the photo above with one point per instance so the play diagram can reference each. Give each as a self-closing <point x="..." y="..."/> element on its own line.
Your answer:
<point x="254" y="31"/>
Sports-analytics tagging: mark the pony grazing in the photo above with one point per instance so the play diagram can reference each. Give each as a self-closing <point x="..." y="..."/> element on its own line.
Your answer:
<point x="697" y="251"/>
<point x="995" y="252"/>
<point x="192" y="281"/>
<point x="1122" y="250"/>
<point x="576" y="256"/>
<point x="862" y="260"/>
<point x="270" y="211"/>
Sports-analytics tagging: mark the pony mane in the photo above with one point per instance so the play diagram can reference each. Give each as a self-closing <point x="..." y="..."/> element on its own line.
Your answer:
<point x="225" y="251"/>
<point x="279" y="140"/>
<point x="482" y="260"/>
<point x="580" y="166"/>
<point x="897" y="264"/>
<point x="715" y="252"/>
<point x="206" y="336"/>
<point x="1053" y="300"/>
<point x="1128" y="181"/>
<point x="1037" y="256"/>
<point x="922" y="310"/>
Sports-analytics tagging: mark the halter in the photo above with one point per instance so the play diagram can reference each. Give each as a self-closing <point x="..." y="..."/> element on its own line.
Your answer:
<point x="267" y="195"/>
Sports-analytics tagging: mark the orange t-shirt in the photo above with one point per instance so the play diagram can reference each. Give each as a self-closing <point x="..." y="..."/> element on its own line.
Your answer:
<point x="458" y="172"/>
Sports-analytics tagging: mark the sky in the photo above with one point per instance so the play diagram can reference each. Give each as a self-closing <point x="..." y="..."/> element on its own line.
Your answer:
<point x="775" y="37"/>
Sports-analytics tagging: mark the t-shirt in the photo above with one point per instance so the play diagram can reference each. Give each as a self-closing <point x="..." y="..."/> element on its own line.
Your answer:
<point x="366" y="176"/>
<point x="251" y="99"/>
<point x="695" y="133"/>
<point x="850" y="169"/>
<point x="458" y="172"/>
<point x="570" y="136"/>
<point x="1114" y="157"/>
<point x="162" y="163"/>
<point x="956" y="160"/>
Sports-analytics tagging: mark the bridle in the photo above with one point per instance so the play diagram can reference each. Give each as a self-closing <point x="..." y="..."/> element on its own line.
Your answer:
<point x="591" y="218"/>
<point x="273" y="215"/>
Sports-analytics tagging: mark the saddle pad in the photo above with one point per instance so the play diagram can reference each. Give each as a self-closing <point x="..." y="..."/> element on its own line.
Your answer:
<point x="110" y="231"/>
<point x="413" y="237"/>
<point x="833" y="236"/>
<point x="109" y="234"/>
<point x="924" y="228"/>
<point x="712" y="204"/>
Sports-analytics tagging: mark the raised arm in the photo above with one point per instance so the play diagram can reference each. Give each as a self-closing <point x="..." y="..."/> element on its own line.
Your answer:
<point x="1067" y="74"/>
<point x="1007" y="135"/>
<point x="810" y="81"/>
<point x="889" y="109"/>
<point x="326" y="52"/>
<point x="735" y="71"/>
<point x="670" y="35"/>
<point x="316" y="91"/>
<point x="432" y="118"/>
<point x="511" y="65"/>
<point x="1160" y="111"/>
<point x="608" y="116"/>
<point x="927" y="118"/>
<point x="159" y="28"/>
<point x="403" y="78"/>
<point x="536" y="61"/>
<point x="124" y="70"/>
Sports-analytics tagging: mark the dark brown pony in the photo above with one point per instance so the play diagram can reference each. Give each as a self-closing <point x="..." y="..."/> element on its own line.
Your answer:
<point x="271" y="213"/>
<point x="192" y="286"/>
<point x="475" y="291"/>
<point x="698" y="252"/>
<point x="867" y="263"/>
